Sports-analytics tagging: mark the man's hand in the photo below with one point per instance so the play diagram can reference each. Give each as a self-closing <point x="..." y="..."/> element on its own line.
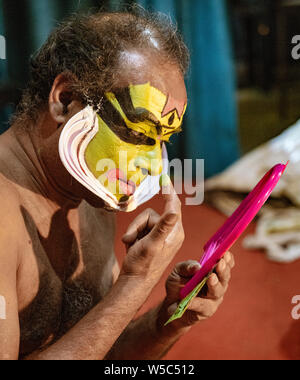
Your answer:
<point x="209" y="300"/>
<point x="152" y="241"/>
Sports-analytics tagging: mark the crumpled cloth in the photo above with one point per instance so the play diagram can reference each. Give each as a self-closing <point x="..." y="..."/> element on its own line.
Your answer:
<point x="278" y="223"/>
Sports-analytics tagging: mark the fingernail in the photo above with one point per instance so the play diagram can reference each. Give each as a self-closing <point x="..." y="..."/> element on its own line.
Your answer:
<point x="164" y="180"/>
<point x="193" y="267"/>
<point x="125" y="237"/>
<point x="172" y="309"/>
<point x="214" y="279"/>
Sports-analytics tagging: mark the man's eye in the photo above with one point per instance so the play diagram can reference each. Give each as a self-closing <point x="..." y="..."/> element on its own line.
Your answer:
<point x="140" y="138"/>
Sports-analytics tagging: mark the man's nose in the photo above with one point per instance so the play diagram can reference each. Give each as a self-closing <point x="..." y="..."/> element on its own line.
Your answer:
<point x="151" y="161"/>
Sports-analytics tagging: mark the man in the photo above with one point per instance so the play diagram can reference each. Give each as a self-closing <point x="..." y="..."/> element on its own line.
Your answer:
<point x="65" y="297"/>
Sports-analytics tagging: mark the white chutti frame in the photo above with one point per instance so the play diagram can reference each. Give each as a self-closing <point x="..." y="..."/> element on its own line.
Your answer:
<point x="74" y="139"/>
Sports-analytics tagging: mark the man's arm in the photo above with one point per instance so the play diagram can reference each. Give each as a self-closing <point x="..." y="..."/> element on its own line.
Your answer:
<point x="93" y="337"/>
<point x="96" y="333"/>
<point x="144" y="339"/>
<point x="147" y="337"/>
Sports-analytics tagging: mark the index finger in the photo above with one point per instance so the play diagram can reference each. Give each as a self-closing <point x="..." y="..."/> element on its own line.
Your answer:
<point x="172" y="201"/>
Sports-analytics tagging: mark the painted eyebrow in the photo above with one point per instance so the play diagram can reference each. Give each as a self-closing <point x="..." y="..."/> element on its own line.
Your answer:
<point x="134" y="115"/>
<point x="147" y="117"/>
<point x="141" y="114"/>
<point x="158" y="124"/>
<point x="112" y="118"/>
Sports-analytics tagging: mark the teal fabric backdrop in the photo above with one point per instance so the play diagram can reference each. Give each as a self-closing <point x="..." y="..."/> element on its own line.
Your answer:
<point x="210" y="130"/>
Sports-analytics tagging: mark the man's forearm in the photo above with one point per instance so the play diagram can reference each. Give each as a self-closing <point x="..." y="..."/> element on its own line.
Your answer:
<point x="146" y="338"/>
<point x="95" y="334"/>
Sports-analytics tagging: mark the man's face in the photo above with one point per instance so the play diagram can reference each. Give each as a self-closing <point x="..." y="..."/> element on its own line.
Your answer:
<point x="134" y="122"/>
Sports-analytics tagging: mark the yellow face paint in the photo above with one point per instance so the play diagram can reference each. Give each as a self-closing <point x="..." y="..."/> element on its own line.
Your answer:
<point x="128" y="146"/>
<point x="147" y="98"/>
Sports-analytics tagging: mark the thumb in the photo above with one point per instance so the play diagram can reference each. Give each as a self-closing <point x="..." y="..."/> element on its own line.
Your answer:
<point x="164" y="227"/>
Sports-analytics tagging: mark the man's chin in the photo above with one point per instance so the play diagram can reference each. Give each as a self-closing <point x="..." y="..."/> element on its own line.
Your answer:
<point x="97" y="202"/>
<point x="125" y="201"/>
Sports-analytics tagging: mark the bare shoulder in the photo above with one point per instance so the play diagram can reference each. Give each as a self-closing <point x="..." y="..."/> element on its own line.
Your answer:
<point x="11" y="221"/>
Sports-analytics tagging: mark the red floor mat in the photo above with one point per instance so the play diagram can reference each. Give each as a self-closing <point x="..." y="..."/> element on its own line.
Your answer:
<point x="255" y="319"/>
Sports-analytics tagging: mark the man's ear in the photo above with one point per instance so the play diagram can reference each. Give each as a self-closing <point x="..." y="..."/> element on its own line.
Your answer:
<point x="62" y="104"/>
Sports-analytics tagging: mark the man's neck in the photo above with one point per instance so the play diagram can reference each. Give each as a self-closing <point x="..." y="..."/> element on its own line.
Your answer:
<point x="39" y="158"/>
